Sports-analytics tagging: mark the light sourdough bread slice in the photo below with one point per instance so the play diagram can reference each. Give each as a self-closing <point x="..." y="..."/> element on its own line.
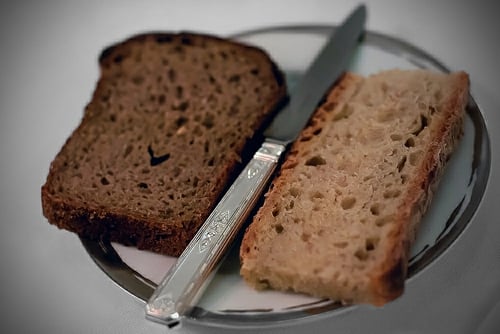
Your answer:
<point x="339" y="220"/>
<point x="166" y="128"/>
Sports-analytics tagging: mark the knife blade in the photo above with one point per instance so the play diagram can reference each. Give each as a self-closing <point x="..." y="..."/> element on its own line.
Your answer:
<point x="186" y="280"/>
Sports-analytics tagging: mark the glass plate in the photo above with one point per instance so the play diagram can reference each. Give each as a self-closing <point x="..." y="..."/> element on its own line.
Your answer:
<point x="227" y="300"/>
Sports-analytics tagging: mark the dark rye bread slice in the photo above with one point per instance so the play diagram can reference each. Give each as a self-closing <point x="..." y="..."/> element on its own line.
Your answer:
<point x="163" y="134"/>
<point x="342" y="215"/>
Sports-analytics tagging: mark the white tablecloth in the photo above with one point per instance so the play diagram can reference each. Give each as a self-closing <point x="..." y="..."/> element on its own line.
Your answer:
<point x="48" y="53"/>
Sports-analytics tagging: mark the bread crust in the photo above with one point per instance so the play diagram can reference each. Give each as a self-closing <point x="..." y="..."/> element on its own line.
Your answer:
<point x="386" y="280"/>
<point x="132" y="225"/>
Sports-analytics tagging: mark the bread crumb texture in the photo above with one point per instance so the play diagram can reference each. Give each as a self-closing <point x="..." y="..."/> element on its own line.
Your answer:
<point x="165" y="128"/>
<point x="339" y="220"/>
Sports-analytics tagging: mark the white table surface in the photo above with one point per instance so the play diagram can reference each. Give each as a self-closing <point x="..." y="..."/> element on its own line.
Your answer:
<point x="48" y="282"/>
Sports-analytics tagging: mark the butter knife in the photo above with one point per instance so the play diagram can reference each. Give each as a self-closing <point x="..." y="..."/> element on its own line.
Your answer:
<point x="186" y="280"/>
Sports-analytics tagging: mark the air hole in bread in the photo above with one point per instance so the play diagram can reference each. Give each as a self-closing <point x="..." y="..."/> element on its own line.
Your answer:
<point x="295" y="192"/>
<point x="138" y="57"/>
<point x="169" y="211"/>
<point x="180" y="121"/>
<point x="346" y="111"/>
<point x="424" y="121"/>
<point x="223" y="55"/>
<point x="415" y="157"/>
<point x="195" y="181"/>
<point x="348" y="203"/>
<point x="305" y="237"/>
<point x="211" y="79"/>
<point x="138" y="79"/>
<point x="164" y="62"/>
<point x="235" y="78"/>
<point x="401" y="163"/>
<point x="329" y="106"/>
<point x="317" y="160"/>
<point x="208" y="121"/>
<point x="179" y="49"/>
<point x="340" y="244"/>
<point x="279" y="228"/>
<point x="410" y="142"/>
<point x="317" y="195"/>
<point x="275" y="212"/>
<point x="143" y="185"/>
<point x="263" y="284"/>
<point x="305" y="138"/>
<point x="361" y="254"/>
<point x="118" y="58"/>
<point x="163" y="39"/>
<point x="432" y="174"/>
<point x="186" y="40"/>
<point x="290" y="205"/>
<point x="317" y="131"/>
<point x="396" y="137"/>
<point x="371" y="243"/>
<point x="381" y="221"/>
<point x="172" y="75"/>
<point x="180" y="106"/>
<point x="155" y="159"/>
<point x="104" y="181"/>
<point x="392" y="193"/>
<point x="179" y="92"/>
<point x="375" y="209"/>
<point x="365" y="178"/>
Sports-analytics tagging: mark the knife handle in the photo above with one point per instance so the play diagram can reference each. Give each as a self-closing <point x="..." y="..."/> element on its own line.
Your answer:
<point x="186" y="280"/>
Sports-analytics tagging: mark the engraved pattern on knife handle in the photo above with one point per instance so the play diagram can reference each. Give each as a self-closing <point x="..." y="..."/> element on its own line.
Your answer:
<point x="216" y="227"/>
<point x="176" y="294"/>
